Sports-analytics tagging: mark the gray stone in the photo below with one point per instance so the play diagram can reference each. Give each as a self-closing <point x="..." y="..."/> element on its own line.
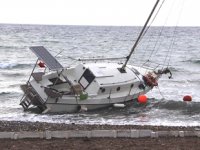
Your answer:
<point x="174" y="133"/>
<point x="154" y="134"/>
<point x="163" y="133"/>
<point x="115" y="133"/>
<point x="181" y="133"/>
<point x="123" y="133"/>
<point x="6" y="135"/>
<point x="145" y="133"/>
<point x="135" y="134"/>
<point x="15" y="136"/>
<point x="98" y="133"/>
<point x="23" y="135"/>
<point x="79" y="134"/>
<point x="60" y="134"/>
<point x="189" y="133"/>
<point x="103" y="133"/>
<point x="197" y="133"/>
<point x="48" y="134"/>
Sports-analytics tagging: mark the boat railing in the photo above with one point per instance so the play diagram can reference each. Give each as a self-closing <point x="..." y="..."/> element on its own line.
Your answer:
<point x="100" y="58"/>
<point x="115" y="83"/>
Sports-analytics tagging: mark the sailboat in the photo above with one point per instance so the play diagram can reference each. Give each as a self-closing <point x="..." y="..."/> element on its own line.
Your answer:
<point x="86" y="86"/>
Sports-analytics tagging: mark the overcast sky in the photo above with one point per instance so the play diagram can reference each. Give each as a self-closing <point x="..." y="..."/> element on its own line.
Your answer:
<point x="98" y="12"/>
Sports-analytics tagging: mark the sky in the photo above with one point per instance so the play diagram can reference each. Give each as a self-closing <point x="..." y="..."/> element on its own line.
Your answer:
<point x="98" y="12"/>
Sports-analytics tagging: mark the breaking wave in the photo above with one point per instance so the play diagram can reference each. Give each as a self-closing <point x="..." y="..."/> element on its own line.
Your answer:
<point x="196" y="61"/>
<point x="4" y="93"/>
<point x="12" y="74"/>
<point x="13" y="65"/>
<point x="190" y="107"/>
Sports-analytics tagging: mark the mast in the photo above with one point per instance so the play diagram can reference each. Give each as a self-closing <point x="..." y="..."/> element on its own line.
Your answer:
<point x="139" y="37"/>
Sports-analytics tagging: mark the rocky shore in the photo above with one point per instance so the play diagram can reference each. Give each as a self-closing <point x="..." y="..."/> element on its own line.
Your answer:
<point x="42" y="126"/>
<point x="94" y="143"/>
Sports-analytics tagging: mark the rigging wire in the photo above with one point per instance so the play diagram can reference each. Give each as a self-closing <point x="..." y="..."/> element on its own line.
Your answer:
<point x="59" y="53"/>
<point x="155" y="50"/>
<point x="140" y="35"/>
<point x="156" y="14"/>
<point x="174" y="33"/>
<point x="158" y="37"/>
<point x="153" y="18"/>
<point x="160" y="92"/>
<point x="158" y="44"/>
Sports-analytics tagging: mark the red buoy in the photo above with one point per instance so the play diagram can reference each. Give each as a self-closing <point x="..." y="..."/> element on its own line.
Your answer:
<point x="142" y="99"/>
<point x="41" y="64"/>
<point x="187" y="98"/>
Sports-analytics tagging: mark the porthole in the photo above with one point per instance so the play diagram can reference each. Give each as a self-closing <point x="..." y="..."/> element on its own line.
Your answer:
<point x="141" y="86"/>
<point x="103" y="90"/>
<point x="132" y="85"/>
<point x="118" y="88"/>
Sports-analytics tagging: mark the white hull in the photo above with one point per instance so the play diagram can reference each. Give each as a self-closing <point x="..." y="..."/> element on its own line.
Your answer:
<point x="86" y="86"/>
<point x="87" y="105"/>
<point x="70" y="104"/>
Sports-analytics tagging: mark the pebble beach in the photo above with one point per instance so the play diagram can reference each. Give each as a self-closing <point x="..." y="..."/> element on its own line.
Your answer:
<point x="94" y="143"/>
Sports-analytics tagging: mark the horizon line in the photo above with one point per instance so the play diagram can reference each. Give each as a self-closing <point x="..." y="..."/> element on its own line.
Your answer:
<point x="93" y="25"/>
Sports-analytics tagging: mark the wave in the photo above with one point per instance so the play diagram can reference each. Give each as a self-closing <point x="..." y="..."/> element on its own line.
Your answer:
<point x="195" y="61"/>
<point x="4" y="93"/>
<point x="7" y="94"/>
<point x="133" y="107"/>
<point x="185" y="107"/>
<point x="174" y="69"/>
<point x="50" y="41"/>
<point x="8" y="47"/>
<point x="10" y="74"/>
<point x="169" y="105"/>
<point x="13" y="65"/>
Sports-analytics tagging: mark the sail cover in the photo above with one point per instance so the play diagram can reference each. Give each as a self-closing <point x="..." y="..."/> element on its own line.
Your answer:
<point x="46" y="57"/>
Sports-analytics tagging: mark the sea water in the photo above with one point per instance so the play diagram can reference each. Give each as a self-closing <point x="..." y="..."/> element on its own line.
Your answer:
<point x="174" y="47"/>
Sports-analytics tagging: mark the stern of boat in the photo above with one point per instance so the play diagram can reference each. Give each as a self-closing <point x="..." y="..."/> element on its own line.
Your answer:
<point x="31" y="97"/>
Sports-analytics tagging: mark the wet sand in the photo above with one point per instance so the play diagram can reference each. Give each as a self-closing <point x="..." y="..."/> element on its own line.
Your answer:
<point x="94" y="143"/>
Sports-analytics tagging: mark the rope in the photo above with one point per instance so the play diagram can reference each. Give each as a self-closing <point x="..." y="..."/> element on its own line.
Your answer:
<point x="173" y="40"/>
<point x="160" y="93"/>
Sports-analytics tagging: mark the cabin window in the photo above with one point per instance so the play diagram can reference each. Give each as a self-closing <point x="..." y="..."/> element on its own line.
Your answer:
<point x="118" y="88"/>
<point x="141" y="86"/>
<point x="86" y="78"/>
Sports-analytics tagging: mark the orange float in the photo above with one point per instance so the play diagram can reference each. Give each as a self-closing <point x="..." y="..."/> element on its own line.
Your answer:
<point x="142" y="99"/>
